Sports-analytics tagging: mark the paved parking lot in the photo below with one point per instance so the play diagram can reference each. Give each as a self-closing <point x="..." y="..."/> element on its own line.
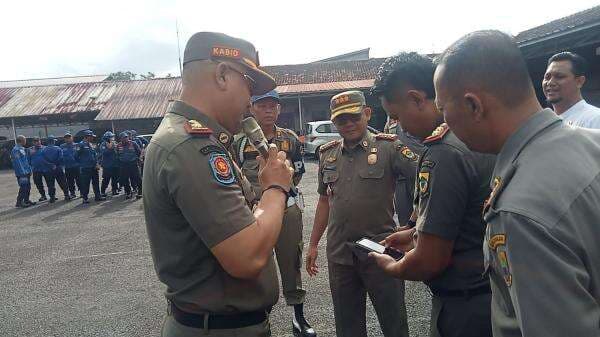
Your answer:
<point x="73" y="270"/>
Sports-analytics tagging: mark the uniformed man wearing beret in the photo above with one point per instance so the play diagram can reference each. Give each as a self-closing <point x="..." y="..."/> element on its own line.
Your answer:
<point x="288" y="250"/>
<point x="451" y="188"/>
<point x="357" y="179"/>
<point x="543" y="213"/>
<point x="214" y="254"/>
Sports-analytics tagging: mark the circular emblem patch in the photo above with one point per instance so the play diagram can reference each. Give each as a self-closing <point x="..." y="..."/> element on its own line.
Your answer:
<point x="221" y="168"/>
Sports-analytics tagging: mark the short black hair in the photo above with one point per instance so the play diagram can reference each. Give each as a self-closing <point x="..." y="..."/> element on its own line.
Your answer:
<point x="490" y="60"/>
<point x="579" y="65"/>
<point x="411" y="69"/>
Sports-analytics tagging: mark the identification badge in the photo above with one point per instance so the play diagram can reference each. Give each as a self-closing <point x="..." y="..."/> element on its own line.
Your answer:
<point x="372" y="159"/>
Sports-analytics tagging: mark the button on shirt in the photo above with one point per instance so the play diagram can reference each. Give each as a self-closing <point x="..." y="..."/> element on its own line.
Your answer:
<point x="583" y="115"/>
<point x="543" y="231"/>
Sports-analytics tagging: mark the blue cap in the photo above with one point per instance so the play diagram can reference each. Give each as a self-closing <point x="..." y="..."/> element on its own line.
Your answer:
<point x="271" y="94"/>
<point x="108" y="134"/>
<point x="68" y="134"/>
<point x="123" y="134"/>
<point x="87" y="133"/>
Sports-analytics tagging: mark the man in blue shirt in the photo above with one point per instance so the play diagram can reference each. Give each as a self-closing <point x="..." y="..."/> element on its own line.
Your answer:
<point x="53" y="154"/>
<point x="109" y="163"/>
<point x="22" y="169"/>
<point x="128" y="153"/>
<point x="71" y="165"/>
<point x="39" y="166"/>
<point x="87" y="158"/>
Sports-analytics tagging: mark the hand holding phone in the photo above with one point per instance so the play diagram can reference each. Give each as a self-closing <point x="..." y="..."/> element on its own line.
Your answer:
<point x="372" y="246"/>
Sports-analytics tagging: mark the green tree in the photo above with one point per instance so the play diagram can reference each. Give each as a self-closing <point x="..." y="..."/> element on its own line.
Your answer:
<point x="121" y="76"/>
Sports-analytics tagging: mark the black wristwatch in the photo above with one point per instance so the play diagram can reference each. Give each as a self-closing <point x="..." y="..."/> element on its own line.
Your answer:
<point x="411" y="223"/>
<point x="291" y="193"/>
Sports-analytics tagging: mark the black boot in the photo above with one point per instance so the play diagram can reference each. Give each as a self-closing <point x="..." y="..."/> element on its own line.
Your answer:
<point x="42" y="198"/>
<point x="52" y="199"/>
<point x="300" y="326"/>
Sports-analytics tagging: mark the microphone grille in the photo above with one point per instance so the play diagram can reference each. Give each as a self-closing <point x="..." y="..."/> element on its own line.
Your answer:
<point x="249" y="125"/>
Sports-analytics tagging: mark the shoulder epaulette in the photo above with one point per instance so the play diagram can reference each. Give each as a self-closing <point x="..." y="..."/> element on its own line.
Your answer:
<point x="386" y="136"/>
<point x="328" y="146"/>
<point x="193" y="127"/>
<point x="438" y="133"/>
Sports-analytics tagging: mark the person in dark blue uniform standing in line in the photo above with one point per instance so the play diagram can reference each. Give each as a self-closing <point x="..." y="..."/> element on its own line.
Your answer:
<point x="20" y="163"/>
<point x="128" y="153"/>
<point x="87" y="158"/>
<point x="38" y="166"/>
<point x="71" y="165"/>
<point x="109" y="163"/>
<point x="54" y="156"/>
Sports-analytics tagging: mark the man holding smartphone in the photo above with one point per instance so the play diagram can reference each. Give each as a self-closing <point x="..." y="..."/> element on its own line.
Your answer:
<point x="452" y="185"/>
<point x="357" y="179"/>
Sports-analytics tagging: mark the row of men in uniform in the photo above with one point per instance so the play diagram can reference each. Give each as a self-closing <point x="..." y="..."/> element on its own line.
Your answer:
<point x="503" y="226"/>
<point x="77" y="165"/>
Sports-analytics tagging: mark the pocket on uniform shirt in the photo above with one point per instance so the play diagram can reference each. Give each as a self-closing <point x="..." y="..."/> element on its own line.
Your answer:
<point x="330" y="177"/>
<point x="371" y="173"/>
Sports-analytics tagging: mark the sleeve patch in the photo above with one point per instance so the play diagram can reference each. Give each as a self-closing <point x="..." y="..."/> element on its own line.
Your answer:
<point x="423" y="182"/>
<point x="221" y="168"/>
<point x="407" y="153"/>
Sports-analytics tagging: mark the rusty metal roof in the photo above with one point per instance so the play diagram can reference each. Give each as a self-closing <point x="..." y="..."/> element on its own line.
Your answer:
<point x="52" y="81"/>
<point x="54" y="99"/>
<point x="141" y="99"/>
<point x="562" y="25"/>
<point x="323" y="87"/>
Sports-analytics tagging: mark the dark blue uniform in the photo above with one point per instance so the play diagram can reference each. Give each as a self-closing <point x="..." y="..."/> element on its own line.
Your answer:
<point x="110" y="166"/>
<point x="71" y="167"/>
<point x="54" y="156"/>
<point x="20" y="163"/>
<point x="87" y="158"/>
<point x="39" y="166"/>
<point x="128" y="154"/>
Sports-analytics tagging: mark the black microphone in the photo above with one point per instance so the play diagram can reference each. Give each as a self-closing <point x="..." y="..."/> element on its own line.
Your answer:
<point x="256" y="136"/>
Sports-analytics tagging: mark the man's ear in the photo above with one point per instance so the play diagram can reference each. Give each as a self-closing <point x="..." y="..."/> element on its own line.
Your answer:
<point x="474" y="107"/>
<point x="221" y="76"/>
<point x="367" y="110"/>
<point x="580" y="80"/>
<point x="418" y="97"/>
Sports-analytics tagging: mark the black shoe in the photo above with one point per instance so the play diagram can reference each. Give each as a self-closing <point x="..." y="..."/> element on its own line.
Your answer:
<point x="115" y="192"/>
<point x="30" y="203"/>
<point x="42" y="198"/>
<point x="127" y="196"/>
<point x="52" y="200"/>
<point x="85" y="201"/>
<point x="20" y="204"/>
<point x="138" y="196"/>
<point x="300" y="326"/>
<point x="67" y="197"/>
<point x="100" y="198"/>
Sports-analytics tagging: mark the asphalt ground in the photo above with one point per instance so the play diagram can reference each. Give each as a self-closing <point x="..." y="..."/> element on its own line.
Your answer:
<point x="68" y="269"/>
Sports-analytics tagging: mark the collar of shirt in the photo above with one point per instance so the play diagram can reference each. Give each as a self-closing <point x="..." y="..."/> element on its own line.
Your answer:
<point x="519" y="139"/>
<point x="364" y="143"/>
<point x="575" y="109"/>
<point x="189" y="112"/>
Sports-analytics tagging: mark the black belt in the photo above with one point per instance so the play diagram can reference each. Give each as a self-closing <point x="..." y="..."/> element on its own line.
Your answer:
<point x="485" y="289"/>
<point x="215" y="322"/>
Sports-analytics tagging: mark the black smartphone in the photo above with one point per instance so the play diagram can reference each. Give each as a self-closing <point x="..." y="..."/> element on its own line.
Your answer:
<point x="372" y="246"/>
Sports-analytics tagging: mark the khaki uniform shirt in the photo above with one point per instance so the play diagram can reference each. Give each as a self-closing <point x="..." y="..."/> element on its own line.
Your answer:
<point x="542" y="241"/>
<point x="452" y="185"/>
<point x="286" y="140"/>
<point x="195" y="198"/>
<point x="360" y="182"/>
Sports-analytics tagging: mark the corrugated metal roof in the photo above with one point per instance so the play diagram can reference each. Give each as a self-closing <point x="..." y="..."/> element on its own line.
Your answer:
<point x="52" y="81"/>
<point x="323" y="87"/>
<point x="54" y="99"/>
<point x="141" y="99"/>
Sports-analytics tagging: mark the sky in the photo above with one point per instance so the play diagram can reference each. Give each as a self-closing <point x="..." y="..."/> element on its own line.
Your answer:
<point x="71" y="38"/>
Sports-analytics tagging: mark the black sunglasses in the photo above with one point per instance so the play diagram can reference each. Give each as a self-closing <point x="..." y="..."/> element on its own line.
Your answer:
<point x="249" y="80"/>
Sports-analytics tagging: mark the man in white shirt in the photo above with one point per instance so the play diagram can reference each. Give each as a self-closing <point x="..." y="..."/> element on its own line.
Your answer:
<point x="562" y="84"/>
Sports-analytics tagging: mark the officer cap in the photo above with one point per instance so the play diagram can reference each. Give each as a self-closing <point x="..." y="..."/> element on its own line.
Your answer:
<point x="67" y="134"/>
<point x="108" y="134"/>
<point x="123" y="134"/>
<point x="271" y="94"/>
<point x="348" y="102"/>
<point x="87" y="133"/>
<point x="221" y="47"/>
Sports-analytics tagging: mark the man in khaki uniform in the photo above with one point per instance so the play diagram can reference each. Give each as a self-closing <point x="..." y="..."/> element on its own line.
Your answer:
<point x="213" y="254"/>
<point x="265" y="109"/>
<point x="541" y="243"/>
<point x="357" y="179"/>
